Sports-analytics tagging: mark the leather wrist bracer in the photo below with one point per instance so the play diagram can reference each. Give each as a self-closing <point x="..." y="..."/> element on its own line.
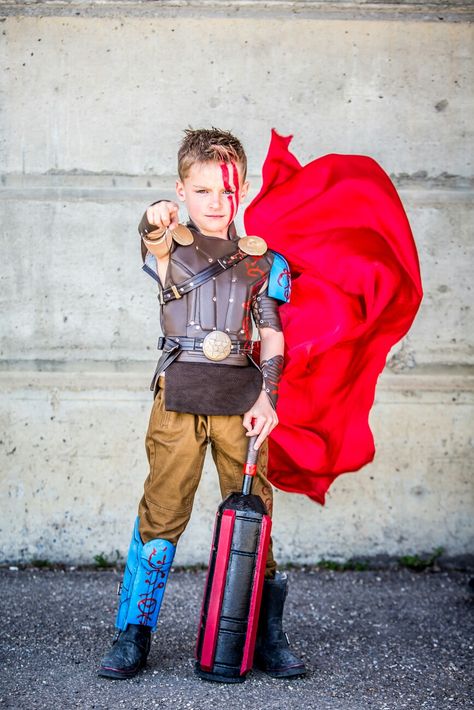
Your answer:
<point x="145" y="228"/>
<point x="271" y="371"/>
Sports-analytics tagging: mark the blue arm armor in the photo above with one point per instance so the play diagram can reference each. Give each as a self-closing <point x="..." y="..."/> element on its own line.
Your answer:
<point x="279" y="282"/>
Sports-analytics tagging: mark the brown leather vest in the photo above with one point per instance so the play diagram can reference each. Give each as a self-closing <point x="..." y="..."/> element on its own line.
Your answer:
<point x="222" y="303"/>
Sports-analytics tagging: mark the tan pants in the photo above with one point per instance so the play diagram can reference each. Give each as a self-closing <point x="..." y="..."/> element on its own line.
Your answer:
<point x="176" y="445"/>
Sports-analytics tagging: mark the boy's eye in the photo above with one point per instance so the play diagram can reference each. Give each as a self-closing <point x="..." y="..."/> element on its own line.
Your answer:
<point x="203" y="191"/>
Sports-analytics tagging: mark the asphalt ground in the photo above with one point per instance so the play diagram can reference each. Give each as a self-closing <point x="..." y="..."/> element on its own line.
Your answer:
<point x="385" y="639"/>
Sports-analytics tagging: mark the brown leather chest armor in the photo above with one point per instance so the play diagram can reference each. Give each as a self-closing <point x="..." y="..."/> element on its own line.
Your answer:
<point x="225" y="302"/>
<point x="222" y="303"/>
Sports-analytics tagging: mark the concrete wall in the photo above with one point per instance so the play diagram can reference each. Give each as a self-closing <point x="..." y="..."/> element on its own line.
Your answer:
<point x="95" y="96"/>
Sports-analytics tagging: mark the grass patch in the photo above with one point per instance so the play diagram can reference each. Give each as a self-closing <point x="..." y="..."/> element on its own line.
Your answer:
<point x="102" y="561"/>
<point x="348" y="565"/>
<point x="419" y="564"/>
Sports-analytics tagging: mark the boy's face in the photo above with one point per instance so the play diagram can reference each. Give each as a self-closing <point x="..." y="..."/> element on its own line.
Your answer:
<point x="212" y="192"/>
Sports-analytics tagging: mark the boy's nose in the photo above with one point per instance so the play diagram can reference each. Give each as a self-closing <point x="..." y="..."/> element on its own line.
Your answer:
<point x="215" y="200"/>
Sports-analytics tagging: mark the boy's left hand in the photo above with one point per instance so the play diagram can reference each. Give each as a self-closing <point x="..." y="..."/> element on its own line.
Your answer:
<point x="265" y="418"/>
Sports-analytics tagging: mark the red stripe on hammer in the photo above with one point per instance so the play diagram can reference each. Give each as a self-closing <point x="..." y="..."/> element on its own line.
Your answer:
<point x="217" y="590"/>
<point x="250" y="469"/>
<point x="256" y="598"/>
<point x="201" y="630"/>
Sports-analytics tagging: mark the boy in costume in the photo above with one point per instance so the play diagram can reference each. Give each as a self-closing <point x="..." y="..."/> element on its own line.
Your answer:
<point x="207" y="384"/>
<point x="340" y="224"/>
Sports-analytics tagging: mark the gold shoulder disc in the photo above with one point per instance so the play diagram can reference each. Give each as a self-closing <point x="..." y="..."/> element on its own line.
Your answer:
<point x="182" y="235"/>
<point x="255" y="246"/>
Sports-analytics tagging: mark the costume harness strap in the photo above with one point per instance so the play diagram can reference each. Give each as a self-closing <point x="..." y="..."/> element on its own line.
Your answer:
<point x="178" y="290"/>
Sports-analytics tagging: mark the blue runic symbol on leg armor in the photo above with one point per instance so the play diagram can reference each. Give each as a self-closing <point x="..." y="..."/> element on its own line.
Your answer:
<point x="144" y="581"/>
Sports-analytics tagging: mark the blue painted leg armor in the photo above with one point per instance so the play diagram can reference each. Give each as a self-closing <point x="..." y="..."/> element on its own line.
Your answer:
<point x="144" y="581"/>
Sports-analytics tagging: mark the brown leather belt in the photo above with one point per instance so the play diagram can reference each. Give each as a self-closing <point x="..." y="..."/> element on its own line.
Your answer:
<point x="237" y="346"/>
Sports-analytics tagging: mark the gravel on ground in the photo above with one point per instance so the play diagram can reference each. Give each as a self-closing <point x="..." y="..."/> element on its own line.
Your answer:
<point x="384" y="639"/>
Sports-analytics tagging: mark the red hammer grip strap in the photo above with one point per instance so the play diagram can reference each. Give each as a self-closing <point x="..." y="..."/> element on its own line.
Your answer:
<point x="250" y="469"/>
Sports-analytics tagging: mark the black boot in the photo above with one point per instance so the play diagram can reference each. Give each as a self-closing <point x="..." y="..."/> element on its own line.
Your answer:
<point x="272" y="650"/>
<point x="128" y="653"/>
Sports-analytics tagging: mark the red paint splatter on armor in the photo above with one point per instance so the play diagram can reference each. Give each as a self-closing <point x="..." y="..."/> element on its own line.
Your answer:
<point x="252" y="267"/>
<point x="234" y="197"/>
<point x="275" y="386"/>
<point x="247" y="324"/>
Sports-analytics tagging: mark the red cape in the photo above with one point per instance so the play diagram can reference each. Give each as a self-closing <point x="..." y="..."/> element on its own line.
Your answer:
<point x="356" y="289"/>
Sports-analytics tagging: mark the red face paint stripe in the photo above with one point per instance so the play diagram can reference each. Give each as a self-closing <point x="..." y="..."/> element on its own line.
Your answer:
<point x="235" y="173"/>
<point x="228" y="186"/>
<point x="225" y="176"/>
<point x="217" y="591"/>
<point x="256" y="598"/>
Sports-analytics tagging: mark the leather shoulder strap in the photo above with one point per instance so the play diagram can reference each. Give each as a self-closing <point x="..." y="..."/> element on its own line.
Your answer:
<point x="189" y="284"/>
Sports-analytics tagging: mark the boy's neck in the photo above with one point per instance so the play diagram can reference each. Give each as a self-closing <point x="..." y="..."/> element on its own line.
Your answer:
<point x="229" y="233"/>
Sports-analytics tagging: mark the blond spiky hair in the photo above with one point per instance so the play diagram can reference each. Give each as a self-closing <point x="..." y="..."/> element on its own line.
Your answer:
<point x="202" y="145"/>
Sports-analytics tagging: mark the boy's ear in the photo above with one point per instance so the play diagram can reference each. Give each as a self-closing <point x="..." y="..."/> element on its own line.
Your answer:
<point x="180" y="190"/>
<point x="244" y="190"/>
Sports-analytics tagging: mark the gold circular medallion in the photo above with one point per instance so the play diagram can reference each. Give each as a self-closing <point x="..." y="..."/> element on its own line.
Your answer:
<point x="216" y="346"/>
<point x="182" y="235"/>
<point x="255" y="246"/>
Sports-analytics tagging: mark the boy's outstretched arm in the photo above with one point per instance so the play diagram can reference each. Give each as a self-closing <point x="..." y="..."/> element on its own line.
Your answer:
<point x="263" y="410"/>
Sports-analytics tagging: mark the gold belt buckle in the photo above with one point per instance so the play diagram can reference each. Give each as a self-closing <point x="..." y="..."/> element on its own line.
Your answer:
<point x="216" y="346"/>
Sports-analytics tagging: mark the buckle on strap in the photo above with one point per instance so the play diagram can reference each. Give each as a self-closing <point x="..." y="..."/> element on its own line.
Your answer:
<point x="176" y="293"/>
<point x="164" y="341"/>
